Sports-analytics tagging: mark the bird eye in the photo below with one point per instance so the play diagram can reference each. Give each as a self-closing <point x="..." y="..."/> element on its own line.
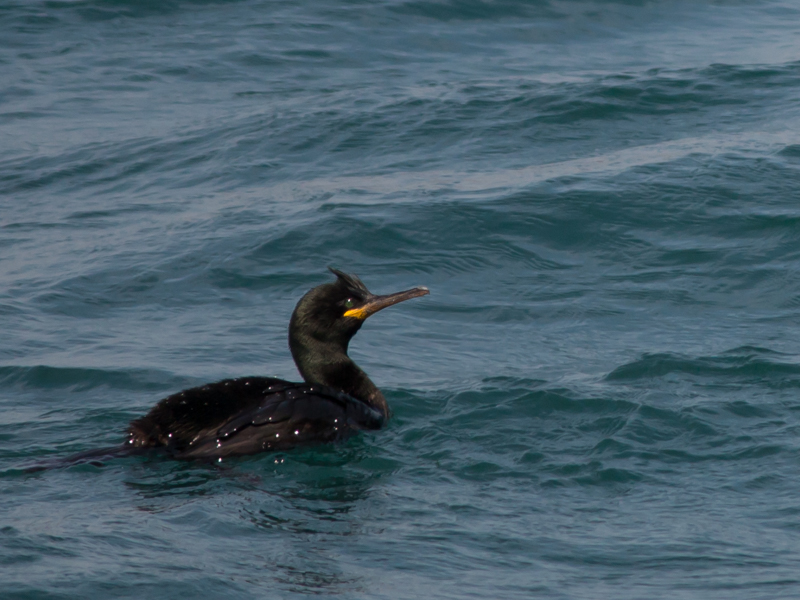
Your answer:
<point x="349" y="303"/>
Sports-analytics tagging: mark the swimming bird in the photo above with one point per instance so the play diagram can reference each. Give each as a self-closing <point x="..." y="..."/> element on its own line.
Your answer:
<point x="256" y="414"/>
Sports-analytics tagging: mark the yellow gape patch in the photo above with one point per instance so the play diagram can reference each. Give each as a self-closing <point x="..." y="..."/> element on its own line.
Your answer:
<point x="357" y="313"/>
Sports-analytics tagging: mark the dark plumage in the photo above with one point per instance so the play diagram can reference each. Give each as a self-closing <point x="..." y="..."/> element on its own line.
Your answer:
<point x="255" y="414"/>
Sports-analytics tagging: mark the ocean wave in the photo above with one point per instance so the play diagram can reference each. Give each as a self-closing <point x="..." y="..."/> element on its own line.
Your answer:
<point x="750" y="363"/>
<point x="81" y="379"/>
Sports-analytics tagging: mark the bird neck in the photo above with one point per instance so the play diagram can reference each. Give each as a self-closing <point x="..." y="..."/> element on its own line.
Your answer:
<point x="328" y="364"/>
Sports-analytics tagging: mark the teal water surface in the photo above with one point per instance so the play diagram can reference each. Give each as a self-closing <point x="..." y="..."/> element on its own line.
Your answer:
<point x="599" y="399"/>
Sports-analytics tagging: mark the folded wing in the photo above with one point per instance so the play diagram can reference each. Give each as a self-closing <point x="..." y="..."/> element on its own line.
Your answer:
<point x="249" y="415"/>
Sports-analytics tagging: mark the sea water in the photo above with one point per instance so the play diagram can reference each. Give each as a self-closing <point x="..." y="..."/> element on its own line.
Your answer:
<point x="599" y="399"/>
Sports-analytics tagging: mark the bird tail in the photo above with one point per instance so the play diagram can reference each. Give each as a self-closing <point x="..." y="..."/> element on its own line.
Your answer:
<point x="95" y="457"/>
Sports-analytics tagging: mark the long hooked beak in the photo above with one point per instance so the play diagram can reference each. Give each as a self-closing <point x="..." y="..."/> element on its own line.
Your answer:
<point x="376" y="303"/>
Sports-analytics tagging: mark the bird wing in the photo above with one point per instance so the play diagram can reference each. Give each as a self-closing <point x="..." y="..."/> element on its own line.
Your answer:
<point x="249" y="415"/>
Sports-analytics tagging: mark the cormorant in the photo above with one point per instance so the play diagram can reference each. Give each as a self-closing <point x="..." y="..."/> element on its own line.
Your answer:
<point x="255" y="414"/>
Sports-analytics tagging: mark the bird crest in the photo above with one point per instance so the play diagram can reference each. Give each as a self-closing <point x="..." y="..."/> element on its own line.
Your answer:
<point x="351" y="282"/>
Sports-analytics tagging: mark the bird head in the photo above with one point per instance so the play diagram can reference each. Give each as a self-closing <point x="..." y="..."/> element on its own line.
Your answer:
<point x="334" y="312"/>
